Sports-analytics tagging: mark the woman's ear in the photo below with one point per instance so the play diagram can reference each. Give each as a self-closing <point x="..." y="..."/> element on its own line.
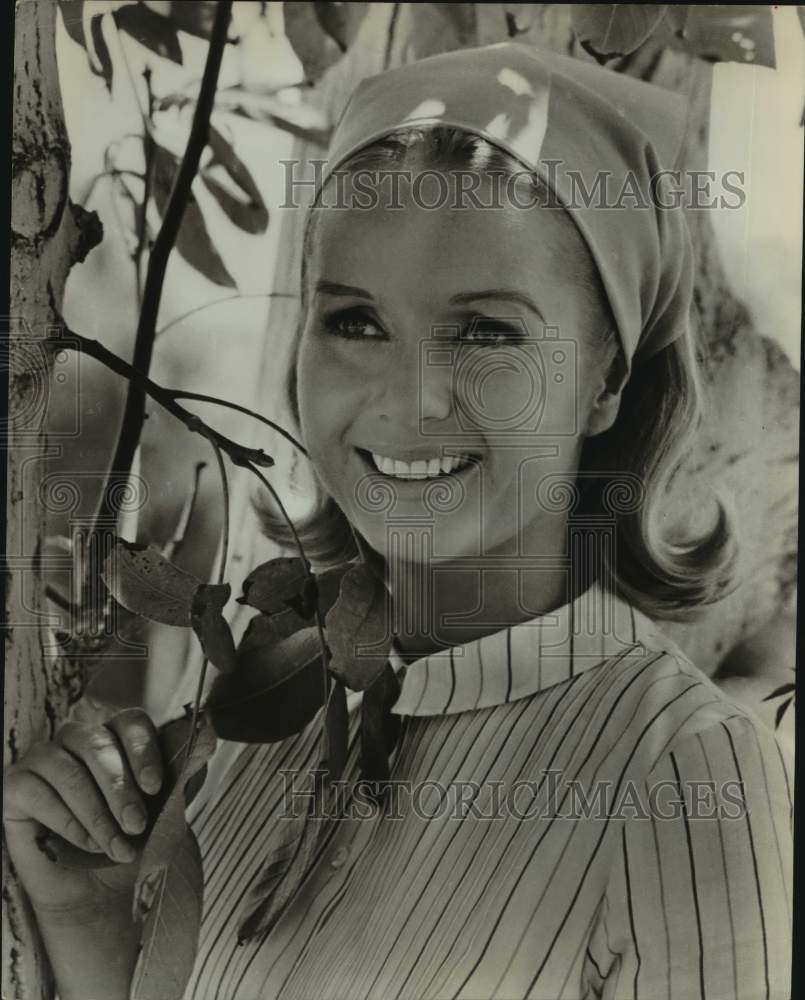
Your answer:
<point x="607" y="401"/>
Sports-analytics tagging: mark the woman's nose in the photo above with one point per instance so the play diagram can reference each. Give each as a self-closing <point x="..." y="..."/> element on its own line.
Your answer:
<point x="414" y="387"/>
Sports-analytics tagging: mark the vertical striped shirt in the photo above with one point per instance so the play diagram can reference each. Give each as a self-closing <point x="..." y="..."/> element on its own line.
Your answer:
<point x="577" y="812"/>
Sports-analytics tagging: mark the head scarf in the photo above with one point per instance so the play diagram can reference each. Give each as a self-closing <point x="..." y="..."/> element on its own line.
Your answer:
<point x="602" y="142"/>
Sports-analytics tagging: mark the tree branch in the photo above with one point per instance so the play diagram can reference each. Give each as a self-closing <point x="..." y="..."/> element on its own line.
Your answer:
<point x="166" y="398"/>
<point x="134" y="412"/>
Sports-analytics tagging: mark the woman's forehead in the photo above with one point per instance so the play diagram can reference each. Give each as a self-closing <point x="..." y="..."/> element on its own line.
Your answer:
<point x="449" y="244"/>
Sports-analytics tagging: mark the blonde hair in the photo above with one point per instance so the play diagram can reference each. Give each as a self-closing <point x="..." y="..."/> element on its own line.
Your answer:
<point x="624" y="473"/>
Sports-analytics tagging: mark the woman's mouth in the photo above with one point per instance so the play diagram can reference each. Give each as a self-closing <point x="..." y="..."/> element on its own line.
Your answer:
<point x="435" y="467"/>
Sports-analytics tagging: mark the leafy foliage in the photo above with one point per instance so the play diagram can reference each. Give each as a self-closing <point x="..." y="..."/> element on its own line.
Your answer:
<point x="358" y="626"/>
<point x="169" y="891"/>
<point x="716" y="33"/>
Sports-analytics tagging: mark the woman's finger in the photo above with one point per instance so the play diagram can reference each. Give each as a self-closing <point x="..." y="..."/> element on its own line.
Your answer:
<point x="76" y="787"/>
<point x="29" y="798"/>
<point x="98" y="748"/>
<point x="138" y="736"/>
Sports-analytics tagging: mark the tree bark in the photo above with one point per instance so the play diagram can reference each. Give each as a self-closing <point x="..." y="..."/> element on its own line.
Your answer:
<point x="48" y="235"/>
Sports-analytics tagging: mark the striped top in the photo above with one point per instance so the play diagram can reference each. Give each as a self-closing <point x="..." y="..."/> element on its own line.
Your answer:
<point x="579" y="812"/>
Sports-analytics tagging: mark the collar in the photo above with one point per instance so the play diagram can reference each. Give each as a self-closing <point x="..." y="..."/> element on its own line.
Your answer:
<point x="523" y="659"/>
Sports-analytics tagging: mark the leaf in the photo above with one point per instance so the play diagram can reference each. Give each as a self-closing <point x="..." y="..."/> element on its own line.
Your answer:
<point x="781" y="709"/>
<point x="277" y="686"/>
<point x="607" y="30"/>
<point x="292" y="848"/>
<point x="340" y="21"/>
<point x="303" y="120"/>
<point x="279" y="588"/>
<point x="357" y="620"/>
<point x="169" y="890"/>
<point x="142" y="580"/>
<point x="780" y="691"/>
<point x="211" y="627"/>
<point x="249" y="211"/>
<point x="336" y="732"/>
<point x="742" y="33"/>
<point x="380" y="729"/>
<point x="100" y="62"/>
<point x="193" y="241"/>
<point x="173" y="743"/>
<point x="154" y="32"/>
<point x="271" y="586"/>
<point x="316" y="50"/>
<point x="195" y="18"/>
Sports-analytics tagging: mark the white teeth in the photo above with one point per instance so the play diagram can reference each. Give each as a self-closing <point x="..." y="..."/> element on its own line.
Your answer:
<point x="420" y="469"/>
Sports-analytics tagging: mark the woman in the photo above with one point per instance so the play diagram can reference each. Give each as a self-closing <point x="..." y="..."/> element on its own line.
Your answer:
<point x="495" y="377"/>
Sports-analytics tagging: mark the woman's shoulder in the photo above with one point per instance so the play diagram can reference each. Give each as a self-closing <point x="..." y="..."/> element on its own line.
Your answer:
<point x="671" y="704"/>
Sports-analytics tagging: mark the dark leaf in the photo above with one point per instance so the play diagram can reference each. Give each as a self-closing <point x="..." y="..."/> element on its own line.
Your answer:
<point x="741" y="33"/>
<point x="282" y="588"/>
<point x="309" y="123"/>
<point x="380" y="729"/>
<point x="173" y="744"/>
<point x="277" y="686"/>
<point x="72" y="12"/>
<point x="149" y="29"/>
<point x="246" y="208"/>
<point x="211" y="627"/>
<point x="780" y="691"/>
<point x="341" y="20"/>
<point x="614" y="29"/>
<point x="273" y="584"/>
<point x="316" y="50"/>
<point x="781" y="710"/>
<point x="291" y="851"/>
<point x="518" y="19"/>
<point x="100" y="61"/>
<point x="336" y="732"/>
<point x="169" y="890"/>
<point x="193" y="241"/>
<point x="142" y="580"/>
<point x="195" y="18"/>
<point x="358" y="630"/>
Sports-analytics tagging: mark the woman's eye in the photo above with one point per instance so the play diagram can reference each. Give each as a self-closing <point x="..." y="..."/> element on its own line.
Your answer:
<point x="352" y="325"/>
<point x="490" y="332"/>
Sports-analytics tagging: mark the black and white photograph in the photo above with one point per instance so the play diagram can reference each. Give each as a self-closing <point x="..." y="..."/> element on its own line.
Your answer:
<point x="402" y="500"/>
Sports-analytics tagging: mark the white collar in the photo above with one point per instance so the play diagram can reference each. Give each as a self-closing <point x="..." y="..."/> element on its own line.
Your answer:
<point x="523" y="659"/>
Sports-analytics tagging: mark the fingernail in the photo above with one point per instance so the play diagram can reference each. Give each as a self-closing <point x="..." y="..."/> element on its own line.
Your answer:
<point x="150" y="779"/>
<point x="121" y="851"/>
<point x="134" y="819"/>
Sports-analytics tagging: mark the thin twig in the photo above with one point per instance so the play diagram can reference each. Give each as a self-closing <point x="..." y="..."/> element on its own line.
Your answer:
<point x="173" y="547"/>
<point x="149" y="148"/>
<point x="238" y="453"/>
<point x="200" y="397"/>
<point x="134" y="411"/>
<point x="221" y="574"/>
<point x="217" y="302"/>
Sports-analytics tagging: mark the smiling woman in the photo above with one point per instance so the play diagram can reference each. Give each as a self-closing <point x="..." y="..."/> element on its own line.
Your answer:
<point x="493" y="401"/>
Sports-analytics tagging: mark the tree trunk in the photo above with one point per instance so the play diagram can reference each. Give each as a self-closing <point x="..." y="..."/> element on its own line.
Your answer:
<point x="48" y="235"/>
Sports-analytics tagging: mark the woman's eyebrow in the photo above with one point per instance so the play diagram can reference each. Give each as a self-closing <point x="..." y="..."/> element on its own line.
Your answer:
<point x="335" y="288"/>
<point x="510" y="294"/>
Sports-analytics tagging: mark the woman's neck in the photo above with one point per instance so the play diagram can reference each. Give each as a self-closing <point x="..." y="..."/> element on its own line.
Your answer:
<point x="485" y="601"/>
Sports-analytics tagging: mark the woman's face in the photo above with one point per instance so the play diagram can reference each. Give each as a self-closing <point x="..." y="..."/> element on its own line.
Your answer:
<point x="444" y="333"/>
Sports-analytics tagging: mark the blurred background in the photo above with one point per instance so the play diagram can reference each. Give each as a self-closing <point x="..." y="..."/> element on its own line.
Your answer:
<point x="125" y="78"/>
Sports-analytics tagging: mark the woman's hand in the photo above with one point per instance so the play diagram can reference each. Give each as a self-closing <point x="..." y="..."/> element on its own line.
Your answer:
<point x="88" y="786"/>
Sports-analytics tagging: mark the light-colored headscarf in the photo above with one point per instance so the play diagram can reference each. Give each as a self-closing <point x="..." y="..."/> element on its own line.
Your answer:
<point x="580" y="128"/>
